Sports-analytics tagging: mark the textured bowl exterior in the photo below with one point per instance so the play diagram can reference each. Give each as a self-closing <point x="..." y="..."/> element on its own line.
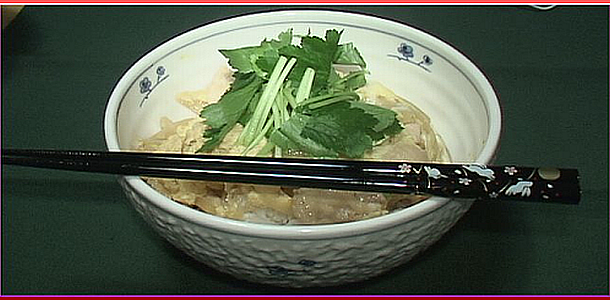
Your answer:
<point x="305" y="262"/>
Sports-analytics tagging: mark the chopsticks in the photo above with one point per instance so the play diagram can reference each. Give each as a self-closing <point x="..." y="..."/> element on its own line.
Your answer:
<point x="472" y="181"/>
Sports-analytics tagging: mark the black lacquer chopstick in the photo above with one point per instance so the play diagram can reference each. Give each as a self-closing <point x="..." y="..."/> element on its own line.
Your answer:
<point x="475" y="181"/>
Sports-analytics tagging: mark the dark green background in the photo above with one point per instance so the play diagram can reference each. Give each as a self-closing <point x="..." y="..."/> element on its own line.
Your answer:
<point x="74" y="233"/>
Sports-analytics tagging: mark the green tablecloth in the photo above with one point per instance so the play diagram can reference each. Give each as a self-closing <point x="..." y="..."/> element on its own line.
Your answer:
<point x="74" y="233"/>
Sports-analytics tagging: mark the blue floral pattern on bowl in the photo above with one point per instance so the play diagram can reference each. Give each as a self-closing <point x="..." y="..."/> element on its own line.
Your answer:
<point x="147" y="86"/>
<point x="406" y="53"/>
<point x="304" y="266"/>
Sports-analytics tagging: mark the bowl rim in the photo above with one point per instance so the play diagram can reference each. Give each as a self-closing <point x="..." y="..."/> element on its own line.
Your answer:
<point x="299" y="232"/>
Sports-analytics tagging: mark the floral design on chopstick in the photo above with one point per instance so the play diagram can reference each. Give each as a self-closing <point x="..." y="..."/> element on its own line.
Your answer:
<point x="481" y="170"/>
<point x="464" y="181"/>
<point x="481" y="181"/>
<point x="510" y="170"/>
<point x="521" y="187"/>
<point x="406" y="53"/>
<point x="147" y="86"/>
<point x="433" y="173"/>
<point x="405" y="168"/>
<point x="508" y="187"/>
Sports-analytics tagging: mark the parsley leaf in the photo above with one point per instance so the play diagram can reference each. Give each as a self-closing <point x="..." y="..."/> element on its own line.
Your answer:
<point x="220" y="117"/>
<point x="347" y="54"/>
<point x="244" y="59"/>
<point x="341" y="128"/>
<point x="315" y="53"/>
<point x="289" y="136"/>
<point x="387" y="124"/>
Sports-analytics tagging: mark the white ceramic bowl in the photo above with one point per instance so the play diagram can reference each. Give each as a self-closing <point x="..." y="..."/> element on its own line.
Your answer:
<point x="440" y="80"/>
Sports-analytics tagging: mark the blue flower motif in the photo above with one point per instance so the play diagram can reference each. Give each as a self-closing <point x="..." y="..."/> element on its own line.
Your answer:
<point x="307" y="263"/>
<point x="426" y="60"/>
<point x="406" y="53"/>
<point x="279" y="271"/>
<point x="145" y="85"/>
<point x="160" y="71"/>
<point x="405" y="50"/>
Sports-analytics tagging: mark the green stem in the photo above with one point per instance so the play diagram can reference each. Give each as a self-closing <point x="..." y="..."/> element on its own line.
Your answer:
<point x="330" y="101"/>
<point x="263" y="108"/>
<point x="327" y="99"/>
<point x="305" y="85"/>
<point x="258" y="138"/>
<point x="350" y="76"/>
<point x="266" y="150"/>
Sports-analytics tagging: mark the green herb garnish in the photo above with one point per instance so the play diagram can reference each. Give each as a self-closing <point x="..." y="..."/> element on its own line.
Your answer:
<point x="293" y="96"/>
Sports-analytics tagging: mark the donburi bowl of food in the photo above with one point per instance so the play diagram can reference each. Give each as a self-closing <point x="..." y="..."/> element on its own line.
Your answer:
<point x="301" y="84"/>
